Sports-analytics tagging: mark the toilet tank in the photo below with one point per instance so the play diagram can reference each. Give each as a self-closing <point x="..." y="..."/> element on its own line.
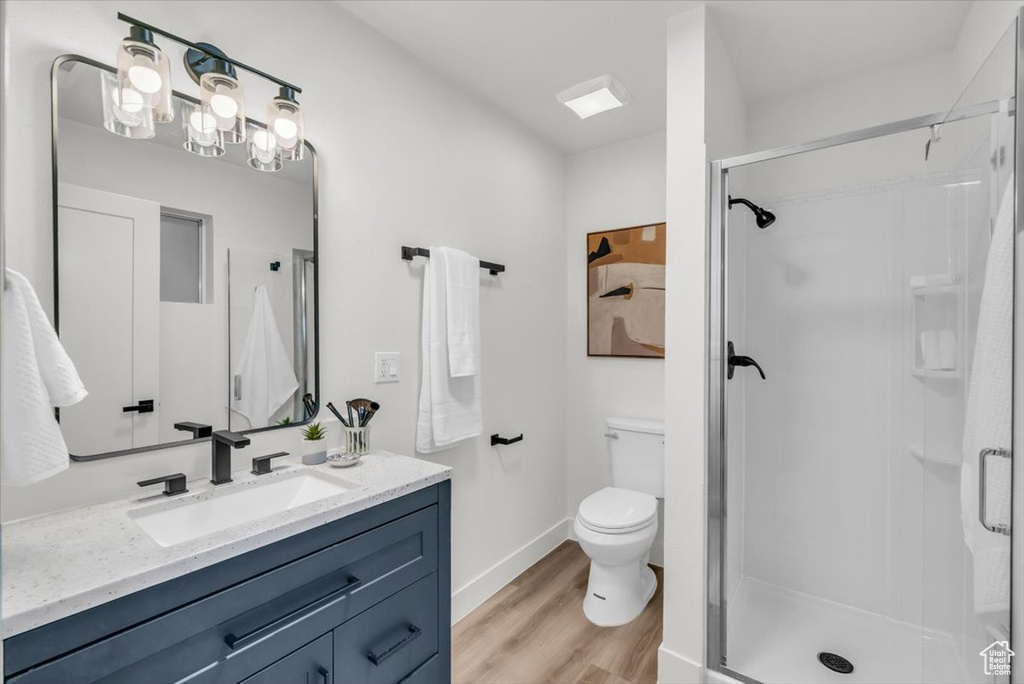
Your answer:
<point x="637" y="450"/>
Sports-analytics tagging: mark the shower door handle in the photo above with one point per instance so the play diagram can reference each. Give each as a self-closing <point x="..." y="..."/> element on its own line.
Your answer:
<point x="982" y="488"/>
<point x="738" y="360"/>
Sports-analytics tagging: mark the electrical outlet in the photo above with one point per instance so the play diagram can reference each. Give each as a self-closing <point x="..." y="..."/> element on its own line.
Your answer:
<point x="387" y="367"/>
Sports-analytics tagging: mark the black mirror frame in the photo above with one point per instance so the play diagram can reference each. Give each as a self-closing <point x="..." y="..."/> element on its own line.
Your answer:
<point x="54" y="72"/>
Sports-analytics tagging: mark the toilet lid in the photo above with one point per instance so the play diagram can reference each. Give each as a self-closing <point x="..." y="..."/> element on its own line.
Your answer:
<point x="618" y="510"/>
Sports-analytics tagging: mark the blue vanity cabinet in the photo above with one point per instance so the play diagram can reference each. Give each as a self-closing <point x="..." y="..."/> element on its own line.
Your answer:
<point x="311" y="664"/>
<point x="362" y="599"/>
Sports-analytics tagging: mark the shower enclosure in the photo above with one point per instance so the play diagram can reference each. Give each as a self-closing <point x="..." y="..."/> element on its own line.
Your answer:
<point x="860" y="393"/>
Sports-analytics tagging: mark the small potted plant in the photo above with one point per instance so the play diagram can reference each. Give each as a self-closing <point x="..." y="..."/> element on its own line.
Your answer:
<point x="314" y="451"/>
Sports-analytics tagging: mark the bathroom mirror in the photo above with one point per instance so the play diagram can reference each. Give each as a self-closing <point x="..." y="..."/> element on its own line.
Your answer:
<point x="185" y="281"/>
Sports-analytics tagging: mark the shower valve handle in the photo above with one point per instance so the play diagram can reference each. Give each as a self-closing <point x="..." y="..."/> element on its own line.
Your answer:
<point x="738" y="360"/>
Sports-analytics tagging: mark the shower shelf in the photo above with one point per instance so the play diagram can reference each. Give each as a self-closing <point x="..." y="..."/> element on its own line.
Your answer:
<point x="936" y="290"/>
<point x="939" y="456"/>
<point x="937" y="374"/>
<point x="937" y="305"/>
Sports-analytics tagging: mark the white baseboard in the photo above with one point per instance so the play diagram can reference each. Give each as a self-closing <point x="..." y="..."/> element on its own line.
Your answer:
<point x="489" y="582"/>
<point x="676" y="669"/>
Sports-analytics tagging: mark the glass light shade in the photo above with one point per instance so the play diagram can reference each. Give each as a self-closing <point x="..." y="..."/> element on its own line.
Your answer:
<point x="264" y="153"/>
<point x="285" y="121"/>
<point x="224" y="99"/>
<point x="124" y="111"/>
<point x="143" y="69"/>
<point x="200" y="131"/>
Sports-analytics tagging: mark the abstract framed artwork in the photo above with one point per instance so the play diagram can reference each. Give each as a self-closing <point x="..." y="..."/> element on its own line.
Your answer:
<point x="626" y="292"/>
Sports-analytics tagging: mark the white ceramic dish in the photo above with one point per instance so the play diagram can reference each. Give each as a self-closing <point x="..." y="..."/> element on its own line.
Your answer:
<point x="343" y="460"/>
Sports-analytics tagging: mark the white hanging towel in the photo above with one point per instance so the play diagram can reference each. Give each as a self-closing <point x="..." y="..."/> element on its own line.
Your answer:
<point x="265" y="372"/>
<point x="988" y="420"/>
<point x="462" y="298"/>
<point x="38" y="375"/>
<point x="449" y="405"/>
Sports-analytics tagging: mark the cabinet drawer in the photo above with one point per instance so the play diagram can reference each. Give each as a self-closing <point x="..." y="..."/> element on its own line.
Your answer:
<point x="311" y="664"/>
<point x="427" y="673"/>
<point x="238" y="631"/>
<point x="385" y="645"/>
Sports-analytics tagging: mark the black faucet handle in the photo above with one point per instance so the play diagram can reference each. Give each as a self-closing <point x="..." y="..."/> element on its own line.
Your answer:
<point x="230" y="438"/>
<point x="261" y="464"/>
<point x="198" y="430"/>
<point x="173" y="484"/>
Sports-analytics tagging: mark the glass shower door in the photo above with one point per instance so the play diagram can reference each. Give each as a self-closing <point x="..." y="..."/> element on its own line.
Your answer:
<point x="865" y="476"/>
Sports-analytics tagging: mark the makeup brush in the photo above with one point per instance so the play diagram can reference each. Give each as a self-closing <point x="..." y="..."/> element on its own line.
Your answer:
<point x="337" y="414"/>
<point x="374" y="406"/>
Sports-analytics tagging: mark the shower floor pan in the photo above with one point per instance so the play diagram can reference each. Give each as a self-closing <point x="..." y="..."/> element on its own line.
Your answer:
<point x="775" y="636"/>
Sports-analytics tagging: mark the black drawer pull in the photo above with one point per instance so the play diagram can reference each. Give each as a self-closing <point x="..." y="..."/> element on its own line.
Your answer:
<point x="325" y="674"/>
<point x="234" y="642"/>
<point x="409" y="635"/>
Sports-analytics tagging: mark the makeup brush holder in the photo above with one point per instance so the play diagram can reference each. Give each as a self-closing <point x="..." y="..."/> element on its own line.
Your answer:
<point x="357" y="439"/>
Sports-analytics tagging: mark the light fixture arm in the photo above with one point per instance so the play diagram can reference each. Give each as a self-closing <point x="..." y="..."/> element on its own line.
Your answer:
<point x="205" y="50"/>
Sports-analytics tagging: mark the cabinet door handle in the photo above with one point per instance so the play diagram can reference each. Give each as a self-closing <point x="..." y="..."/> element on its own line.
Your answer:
<point x="237" y="642"/>
<point x="409" y="634"/>
<point x="325" y="674"/>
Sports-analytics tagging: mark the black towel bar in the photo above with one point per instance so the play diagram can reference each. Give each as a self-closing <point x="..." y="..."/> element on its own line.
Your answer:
<point x="409" y="252"/>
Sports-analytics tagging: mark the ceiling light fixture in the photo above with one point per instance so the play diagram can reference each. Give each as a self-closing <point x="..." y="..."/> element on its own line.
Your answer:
<point x="594" y="96"/>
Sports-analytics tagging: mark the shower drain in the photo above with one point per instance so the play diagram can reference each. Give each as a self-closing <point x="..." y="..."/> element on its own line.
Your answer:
<point x="836" y="663"/>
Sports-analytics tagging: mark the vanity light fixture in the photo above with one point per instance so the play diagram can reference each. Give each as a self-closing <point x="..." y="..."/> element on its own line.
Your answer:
<point x="200" y="131"/>
<point x="594" y="96"/>
<point x="144" y="89"/>
<point x="123" y="111"/>
<point x="284" y="117"/>
<point x="144" y="74"/>
<point x="223" y="98"/>
<point x="264" y="152"/>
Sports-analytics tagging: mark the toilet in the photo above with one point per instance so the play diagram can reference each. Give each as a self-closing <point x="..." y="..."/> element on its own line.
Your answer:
<point x="616" y="525"/>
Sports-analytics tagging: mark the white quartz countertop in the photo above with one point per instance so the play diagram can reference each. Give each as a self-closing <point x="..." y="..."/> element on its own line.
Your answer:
<point x="60" y="564"/>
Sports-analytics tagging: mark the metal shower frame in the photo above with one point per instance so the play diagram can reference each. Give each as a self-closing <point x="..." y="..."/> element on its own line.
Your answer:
<point x="717" y="367"/>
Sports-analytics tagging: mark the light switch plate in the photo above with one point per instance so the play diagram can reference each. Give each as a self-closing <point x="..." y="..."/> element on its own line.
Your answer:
<point x="387" y="367"/>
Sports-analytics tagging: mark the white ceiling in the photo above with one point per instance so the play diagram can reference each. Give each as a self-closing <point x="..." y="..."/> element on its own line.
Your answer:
<point x="782" y="46"/>
<point x="519" y="54"/>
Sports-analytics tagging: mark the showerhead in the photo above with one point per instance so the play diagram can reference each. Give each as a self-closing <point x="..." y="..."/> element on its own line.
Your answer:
<point x="762" y="217"/>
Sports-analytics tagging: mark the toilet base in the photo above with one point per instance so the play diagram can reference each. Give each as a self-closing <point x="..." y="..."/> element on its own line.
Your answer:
<point x="618" y="594"/>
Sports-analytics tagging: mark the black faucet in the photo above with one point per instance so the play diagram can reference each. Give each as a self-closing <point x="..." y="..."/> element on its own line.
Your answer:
<point x="198" y="430"/>
<point x="223" y="441"/>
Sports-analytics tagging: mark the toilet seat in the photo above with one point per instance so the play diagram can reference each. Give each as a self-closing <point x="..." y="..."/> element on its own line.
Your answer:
<point x="613" y="510"/>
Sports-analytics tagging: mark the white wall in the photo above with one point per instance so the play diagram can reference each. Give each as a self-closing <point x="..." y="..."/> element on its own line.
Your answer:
<point x="681" y="654"/>
<point x="406" y="158"/>
<point x="611" y="187"/>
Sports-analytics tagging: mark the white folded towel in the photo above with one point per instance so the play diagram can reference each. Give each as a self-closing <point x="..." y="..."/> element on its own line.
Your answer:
<point x="462" y="297"/>
<point x="989" y="419"/>
<point x="37" y="376"/>
<point x="449" y="410"/>
<point x="267" y="379"/>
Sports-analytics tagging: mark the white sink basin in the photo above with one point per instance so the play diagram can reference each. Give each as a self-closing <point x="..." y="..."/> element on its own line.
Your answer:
<point x="190" y="517"/>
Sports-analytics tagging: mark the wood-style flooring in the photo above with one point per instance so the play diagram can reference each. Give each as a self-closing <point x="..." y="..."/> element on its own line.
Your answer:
<point x="534" y="631"/>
